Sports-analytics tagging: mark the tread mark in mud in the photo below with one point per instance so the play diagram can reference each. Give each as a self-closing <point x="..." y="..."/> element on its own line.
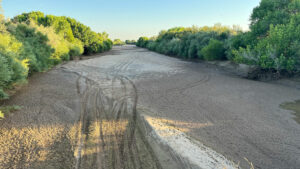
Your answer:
<point x="115" y="117"/>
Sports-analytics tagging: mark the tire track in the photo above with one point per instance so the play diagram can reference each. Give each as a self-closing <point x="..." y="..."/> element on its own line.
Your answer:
<point x="109" y="113"/>
<point x="115" y="118"/>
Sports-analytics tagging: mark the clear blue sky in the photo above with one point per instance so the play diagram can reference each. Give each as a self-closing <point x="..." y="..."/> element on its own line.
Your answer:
<point x="130" y="19"/>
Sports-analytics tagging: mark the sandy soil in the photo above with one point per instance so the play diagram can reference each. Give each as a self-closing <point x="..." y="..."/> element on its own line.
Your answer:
<point x="91" y="114"/>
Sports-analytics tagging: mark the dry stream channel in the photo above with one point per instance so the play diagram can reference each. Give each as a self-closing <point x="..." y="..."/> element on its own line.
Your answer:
<point x="132" y="108"/>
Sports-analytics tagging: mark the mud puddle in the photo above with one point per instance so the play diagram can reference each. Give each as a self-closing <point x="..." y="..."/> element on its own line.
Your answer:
<point x="295" y="107"/>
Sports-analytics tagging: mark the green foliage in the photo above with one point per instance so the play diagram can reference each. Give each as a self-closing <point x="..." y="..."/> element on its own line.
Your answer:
<point x="273" y="42"/>
<point x="75" y="48"/>
<point x="5" y="75"/>
<point x="37" y="17"/>
<point x="93" y="42"/>
<point x="1" y="115"/>
<point x="63" y="49"/>
<point x="142" y="42"/>
<point x="2" y="26"/>
<point x="70" y="30"/>
<point x="13" y="68"/>
<point x="5" y="110"/>
<point x="214" y="50"/>
<point x="118" y="42"/>
<point x="33" y="42"/>
<point x="272" y="12"/>
<point x="241" y="40"/>
<point x="35" y="47"/>
<point x="191" y="43"/>
<point x="130" y="42"/>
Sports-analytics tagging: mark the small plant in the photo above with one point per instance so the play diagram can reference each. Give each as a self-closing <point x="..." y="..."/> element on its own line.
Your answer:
<point x="1" y="115"/>
<point x="5" y="110"/>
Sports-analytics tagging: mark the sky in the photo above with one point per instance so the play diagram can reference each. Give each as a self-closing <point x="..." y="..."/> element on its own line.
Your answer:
<point x="131" y="19"/>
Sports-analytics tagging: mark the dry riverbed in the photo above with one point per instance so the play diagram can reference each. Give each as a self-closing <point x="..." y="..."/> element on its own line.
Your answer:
<point x="131" y="108"/>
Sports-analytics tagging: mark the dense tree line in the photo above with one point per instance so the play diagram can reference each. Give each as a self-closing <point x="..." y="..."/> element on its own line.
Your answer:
<point x="118" y="42"/>
<point x="274" y="39"/>
<point x="130" y="42"/>
<point x="208" y="43"/>
<point x="70" y="29"/>
<point x="273" y="42"/>
<point x="33" y="42"/>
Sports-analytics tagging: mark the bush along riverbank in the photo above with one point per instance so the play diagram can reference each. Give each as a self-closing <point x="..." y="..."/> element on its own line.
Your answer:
<point x="271" y="47"/>
<point x="34" y="42"/>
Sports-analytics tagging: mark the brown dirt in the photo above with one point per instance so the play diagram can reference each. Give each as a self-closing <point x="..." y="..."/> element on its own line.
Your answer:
<point x="84" y="114"/>
<point x="70" y="121"/>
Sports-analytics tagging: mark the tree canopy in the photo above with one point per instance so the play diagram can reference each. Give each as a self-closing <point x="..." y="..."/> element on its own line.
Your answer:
<point x="273" y="41"/>
<point x="69" y="29"/>
<point x="34" y="42"/>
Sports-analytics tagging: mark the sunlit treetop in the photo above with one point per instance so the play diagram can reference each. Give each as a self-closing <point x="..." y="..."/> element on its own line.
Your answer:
<point x="273" y="12"/>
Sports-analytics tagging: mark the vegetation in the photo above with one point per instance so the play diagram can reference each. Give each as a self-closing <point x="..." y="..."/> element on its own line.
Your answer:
<point x="271" y="44"/>
<point x="293" y="106"/>
<point x="130" y="42"/>
<point x="6" y="110"/>
<point x="71" y="30"/>
<point x="143" y="42"/>
<point x="214" y="50"/>
<point x="118" y="42"/>
<point x="33" y="42"/>
<point x="192" y="43"/>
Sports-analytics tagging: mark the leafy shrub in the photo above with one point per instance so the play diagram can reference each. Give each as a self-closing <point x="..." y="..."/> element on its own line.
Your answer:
<point x="92" y="41"/>
<point x="35" y="47"/>
<point x="5" y="76"/>
<point x="130" y="42"/>
<point x="75" y="50"/>
<point x="58" y="43"/>
<point x="63" y="48"/>
<point x="33" y="42"/>
<point x="142" y="42"/>
<point x="151" y="45"/>
<point x="118" y="42"/>
<point x="273" y="42"/>
<point x="13" y="68"/>
<point x="70" y="30"/>
<point x="5" y="110"/>
<point x="214" y="50"/>
<point x="191" y="43"/>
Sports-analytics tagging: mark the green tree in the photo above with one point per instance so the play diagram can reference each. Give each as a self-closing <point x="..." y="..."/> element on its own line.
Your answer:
<point x="214" y="50"/>
<point x="2" y="25"/>
<point x="32" y="42"/>
<point x="271" y="12"/>
<point x="71" y="30"/>
<point x="5" y="75"/>
<point x="13" y="67"/>
<point x="35" y="47"/>
<point x="273" y="42"/>
<point x="142" y="42"/>
<point x="130" y="42"/>
<point x="189" y="43"/>
<point x="118" y="42"/>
